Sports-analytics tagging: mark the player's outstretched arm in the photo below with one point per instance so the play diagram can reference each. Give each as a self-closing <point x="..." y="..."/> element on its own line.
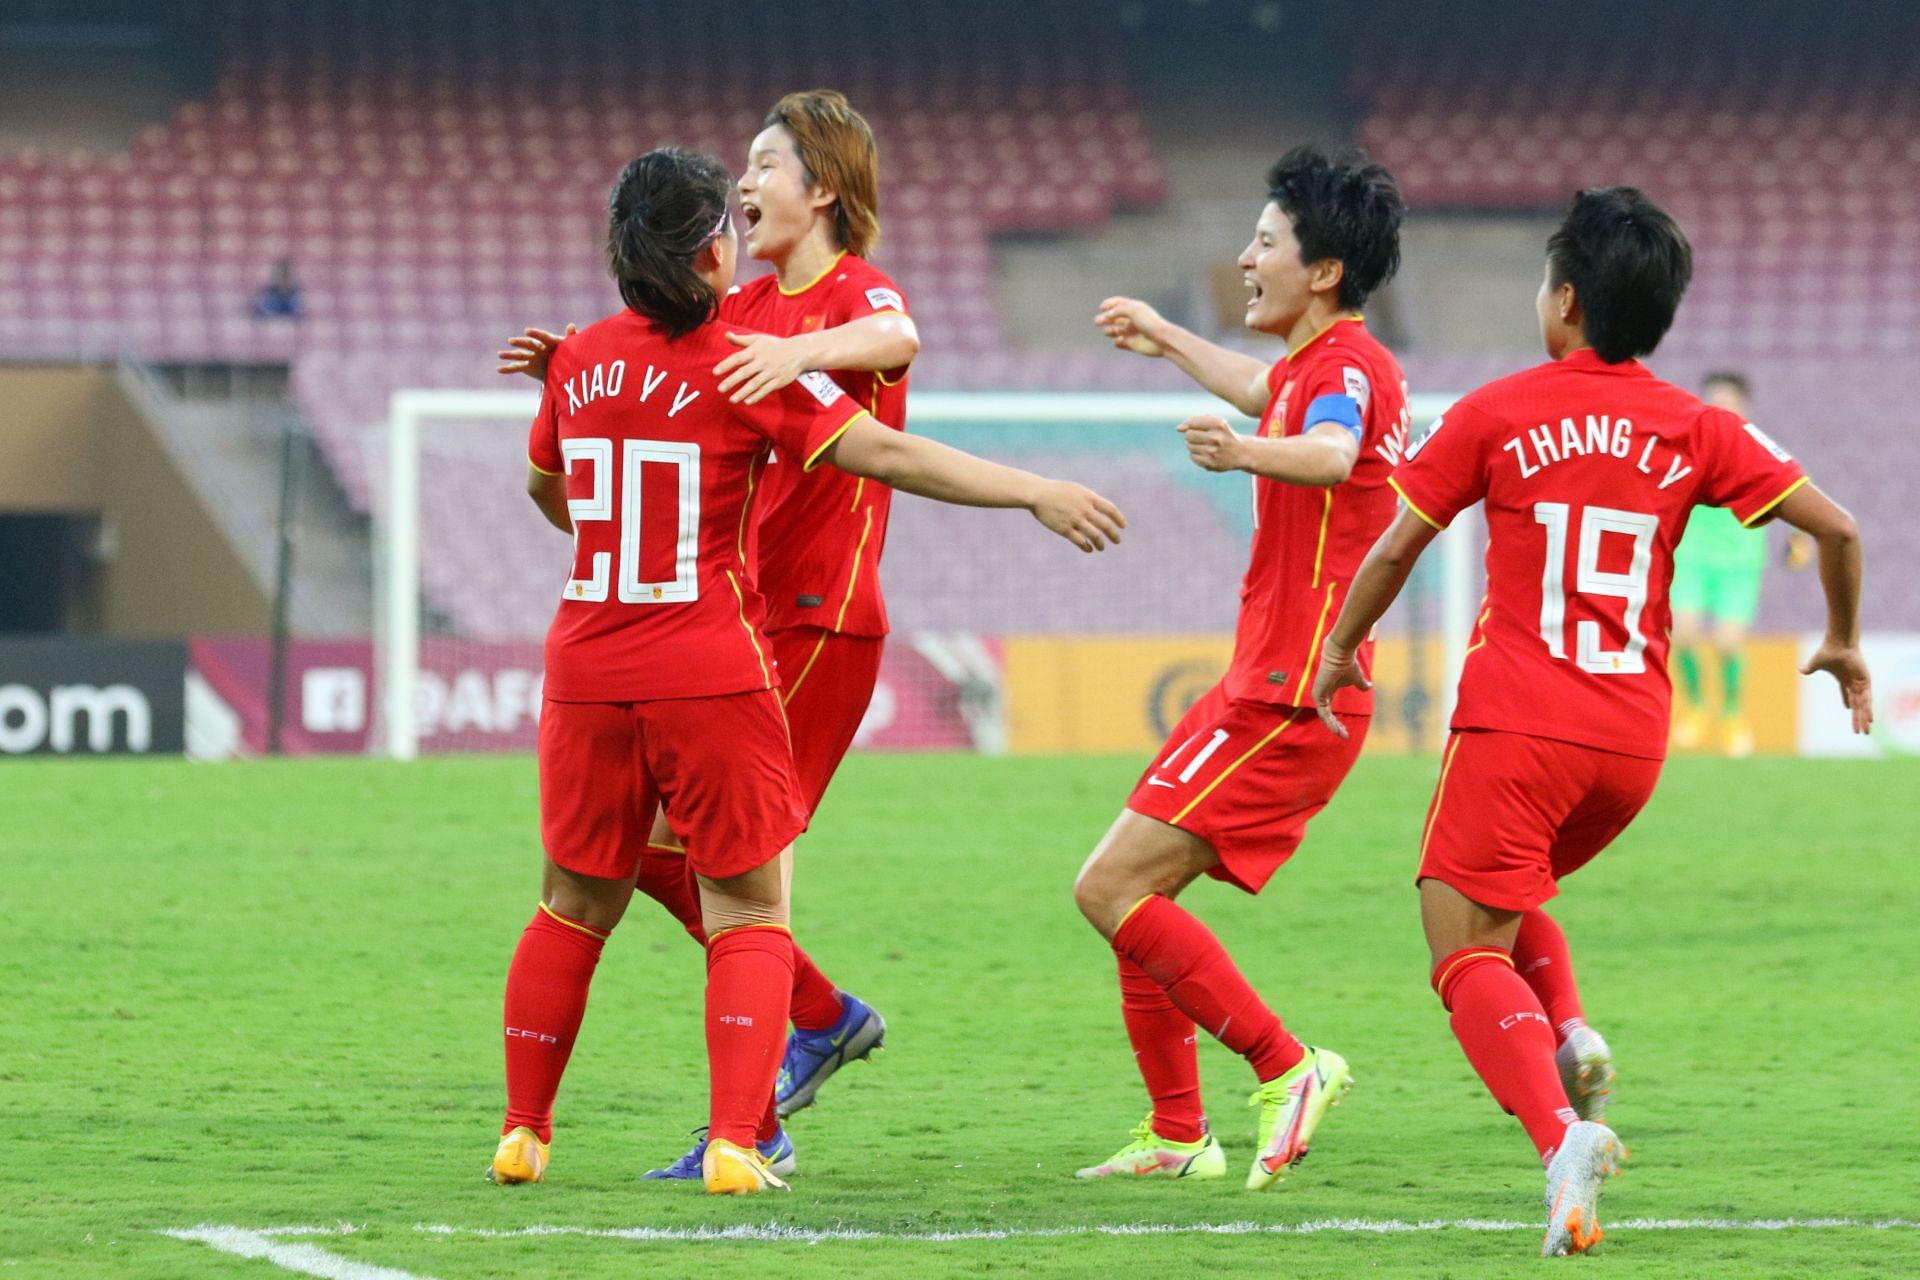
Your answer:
<point x="528" y="353"/>
<point x="1375" y="587"/>
<point x="879" y="343"/>
<point x="1319" y="457"/>
<point x="1234" y="376"/>
<point x="549" y="493"/>
<point x="925" y="467"/>
<point x="1837" y="540"/>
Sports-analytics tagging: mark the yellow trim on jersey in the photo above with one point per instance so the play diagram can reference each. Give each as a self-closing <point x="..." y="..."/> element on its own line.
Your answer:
<point x="812" y="658"/>
<point x="794" y="293"/>
<point x="1748" y="523"/>
<point x="1439" y="793"/>
<point x="740" y="543"/>
<point x="885" y="381"/>
<point x="654" y="846"/>
<point x="1313" y="646"/>
<point x="765" y="674"/>
<point x="1326" y="518"/>
<point x="1317" y="335"/>
<point x="827" y="444"/>
<point x="1410" y="504"/>
<point x="866" y="530"/>
<point x="1222" y="776"/>
<point x="543" y="471"/>
<point x="1481" y="627"/>
<point x="575" y="925"/>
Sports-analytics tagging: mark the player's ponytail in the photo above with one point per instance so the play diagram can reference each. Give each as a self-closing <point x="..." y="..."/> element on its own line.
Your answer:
<point x="666" y="207"/>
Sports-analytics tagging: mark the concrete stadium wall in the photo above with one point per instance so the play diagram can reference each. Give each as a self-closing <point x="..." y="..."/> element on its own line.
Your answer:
<point x="72" y="443"/>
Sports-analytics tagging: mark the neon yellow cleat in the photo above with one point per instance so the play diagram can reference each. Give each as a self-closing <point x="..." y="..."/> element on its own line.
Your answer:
<point x="521" y="1157"/>
<point x="1291" y="1108"/>
<point x="737" y="1171"/>
<point x="1150" y="1155"/>
<point x="1740" y="742"/>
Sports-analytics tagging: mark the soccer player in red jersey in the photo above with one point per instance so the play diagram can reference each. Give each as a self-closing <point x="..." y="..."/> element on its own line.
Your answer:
<point x="1230" y="794"/>
<point x="810" y="199"/>
<point x="660" y="687"/>
<point x="1589" y="467"/>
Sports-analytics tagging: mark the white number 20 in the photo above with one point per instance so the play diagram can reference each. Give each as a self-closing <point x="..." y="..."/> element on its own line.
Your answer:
<point x="1589" y="580"/>
<point x="684" y="457"/>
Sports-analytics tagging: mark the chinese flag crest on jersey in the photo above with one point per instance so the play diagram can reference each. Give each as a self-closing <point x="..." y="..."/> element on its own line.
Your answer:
<point x="1277" y="423"/>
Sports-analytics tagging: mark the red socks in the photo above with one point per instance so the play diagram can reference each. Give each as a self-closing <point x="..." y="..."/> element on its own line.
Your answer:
<point x="1540" y="955"/>
<point x="1188" y="963"/>
<point x="546" y="997"/>
<point x="1499" y="1022"/>
<point x="1165" y="1051"/>
<point x="816" y="1002"/>
<point x="668" y="879"/>
<point x="749" y="985"/>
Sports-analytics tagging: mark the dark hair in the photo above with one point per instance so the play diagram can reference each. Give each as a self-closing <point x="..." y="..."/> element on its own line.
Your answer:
<point x="665" y="208"/>
<point x="1345" y="207"/>
<point x="1728" y="378"/>
<point x="1628" y="263"/>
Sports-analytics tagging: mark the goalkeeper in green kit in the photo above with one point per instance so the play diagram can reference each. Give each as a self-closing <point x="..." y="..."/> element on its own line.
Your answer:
<point x="1717" y="572"/>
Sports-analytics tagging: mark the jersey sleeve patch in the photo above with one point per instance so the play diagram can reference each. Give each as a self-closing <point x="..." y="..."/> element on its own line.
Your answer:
<point x="824" y="389"/>
<point x="1357" y="385"/>
<point x="1768" y="443"/>
<point x="1416" y="446"/>
<point x="885" y="300"/>
<point x="1336" y="408"/>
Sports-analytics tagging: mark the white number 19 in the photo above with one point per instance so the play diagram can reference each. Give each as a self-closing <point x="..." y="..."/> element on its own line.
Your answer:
<point x="1589" y="580"/>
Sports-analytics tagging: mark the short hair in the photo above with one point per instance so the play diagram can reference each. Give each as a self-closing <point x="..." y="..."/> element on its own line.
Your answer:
<point x="1343" y="206"/>
<point x="666" y="207"/>
<point x="837" y="150"/>
<point x="1728" y="378"/>
<point x="1629" y="264"/>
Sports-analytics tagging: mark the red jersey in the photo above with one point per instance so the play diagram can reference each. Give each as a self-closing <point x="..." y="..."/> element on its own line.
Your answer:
<point x="660" y="472"/>
<point x="1589" y="471"/>
<point x="820" y="534"/>
<point x="1308" y="541"/>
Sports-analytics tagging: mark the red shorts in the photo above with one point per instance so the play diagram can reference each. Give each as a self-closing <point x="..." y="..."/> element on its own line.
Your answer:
<point x="828" y="679"/>
<point x="1245" y="777"/>
<point x="1514" y="813"/>
<point x="722" y="764"/>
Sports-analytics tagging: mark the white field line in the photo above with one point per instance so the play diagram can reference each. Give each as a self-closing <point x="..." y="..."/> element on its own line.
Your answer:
<point x="269" y="1244"/>
<point x="774" y="1232"/>
<point x="301" y="1259"/>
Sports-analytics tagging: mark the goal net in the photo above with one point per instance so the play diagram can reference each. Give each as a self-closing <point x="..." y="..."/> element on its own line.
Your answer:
<point x="1004" y="638"/>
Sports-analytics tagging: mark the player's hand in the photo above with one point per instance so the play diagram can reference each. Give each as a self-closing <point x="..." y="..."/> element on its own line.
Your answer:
<point x="1078" y="514"/>
<point x="529" y="353"/>
<point x="1133" y="325"/>
<point x="1212" y="444"/>
<point x="1848" y="665"/>
<point x="762" y="366"/>
<point x="1339" y="669"/>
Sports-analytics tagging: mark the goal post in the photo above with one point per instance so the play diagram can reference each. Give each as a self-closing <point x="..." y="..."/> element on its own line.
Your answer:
<point x="960" y="582"/>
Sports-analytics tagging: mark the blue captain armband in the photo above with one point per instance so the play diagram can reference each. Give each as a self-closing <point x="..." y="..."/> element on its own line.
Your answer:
<point x="1337" y="408"/>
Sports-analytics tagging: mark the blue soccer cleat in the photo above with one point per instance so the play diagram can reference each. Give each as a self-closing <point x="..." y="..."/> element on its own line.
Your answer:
<point x="813" y="1056"/>
<point x="777" y="1151"/>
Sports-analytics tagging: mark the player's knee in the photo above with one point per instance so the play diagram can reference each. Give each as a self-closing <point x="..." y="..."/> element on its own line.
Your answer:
<point x="1102" y="896"/>
<point x="759" y="897"/>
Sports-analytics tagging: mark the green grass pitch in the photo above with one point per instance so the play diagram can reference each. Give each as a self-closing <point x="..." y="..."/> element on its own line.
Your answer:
<point x="267" y="996"/>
